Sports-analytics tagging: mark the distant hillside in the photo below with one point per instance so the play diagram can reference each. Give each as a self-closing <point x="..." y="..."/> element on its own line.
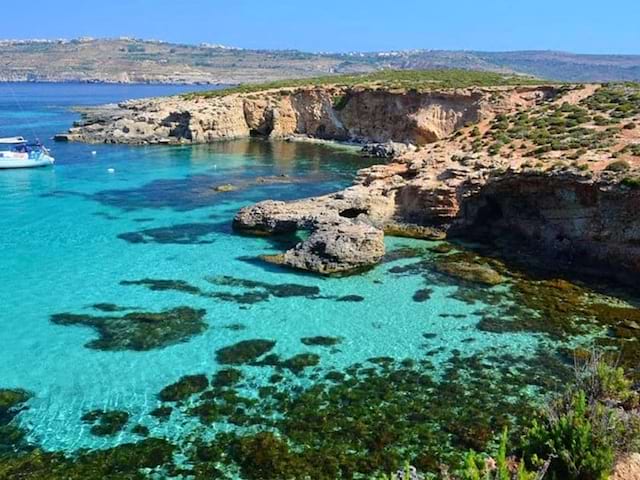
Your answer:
<point x="134" y="61"/>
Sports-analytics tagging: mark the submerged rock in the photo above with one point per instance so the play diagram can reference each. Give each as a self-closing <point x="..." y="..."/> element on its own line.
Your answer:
<point x="226" y="377"/>
<point x="122" y="462"/>
<point x="184" y="388"/>
<point x="108" y="307"/>
<point x="183" y="234"/>
<point x="245" y="351"/>
<point x="161" y="413"/>
<point x="299" y="362"/>
<point x="139" y="330"/>
<point x="422" y="295"/>
<point x="164" y="285"/>
<point x="351" y="298"/>
<point x="11" y="399"/>
<point x="12" y="437"/>
<point x="140" y="430"/>
<point x="321" y="341"/>
<point x="263" y="289"/>
<point x="470" y="272"/>
<point x="106" y="423"/>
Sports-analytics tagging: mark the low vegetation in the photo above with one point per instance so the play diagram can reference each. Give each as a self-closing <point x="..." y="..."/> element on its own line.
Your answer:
<point x="578" y="436"/>
<point x="585" y="430"/>
<point x="392" y="79"/>
<point x="594" y="125"/>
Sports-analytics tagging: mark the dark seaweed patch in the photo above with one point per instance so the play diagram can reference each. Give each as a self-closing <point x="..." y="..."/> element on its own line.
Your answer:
<point x="159" y="285"/>
<point x="184" y="388"/>
<point x="246" y="298"/>
<point x="351" y="298"/>
<point x="108" y="307"/>
<point x="260" y="291"/>
<point x="279" y="290"/>
<point x="235" y="327"/>
<point x="192" y="192"/>
<point x="246" y="351"/>
<point x="257" y="291"/>
<point x="299" y="362"/>
<point x="374" y="418"/>
<point x="106" y="423"/>
<point x="121" y="462"/>
<point x="226" y="377"/>
<point x="12" y="402"/>
<point x="162" y="413"/>
<point x="181" y="234"/>
<point x="422" y="295"/>
<point x="139" y="330"/>
<point x="140" y="430"/>
<point x="321" y="341"/>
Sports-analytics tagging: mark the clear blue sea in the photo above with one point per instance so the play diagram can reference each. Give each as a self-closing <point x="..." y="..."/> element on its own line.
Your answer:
<point x="70" y="234"/>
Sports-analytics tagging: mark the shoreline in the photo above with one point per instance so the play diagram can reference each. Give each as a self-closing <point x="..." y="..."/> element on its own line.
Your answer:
<point x="446" y="168"/>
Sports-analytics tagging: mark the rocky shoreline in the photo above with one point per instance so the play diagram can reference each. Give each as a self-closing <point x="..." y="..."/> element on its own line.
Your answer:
<point x="457" y="168"/>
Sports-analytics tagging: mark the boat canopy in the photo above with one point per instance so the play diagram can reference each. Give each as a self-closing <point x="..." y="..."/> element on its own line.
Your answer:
<point x="12" y="141"/>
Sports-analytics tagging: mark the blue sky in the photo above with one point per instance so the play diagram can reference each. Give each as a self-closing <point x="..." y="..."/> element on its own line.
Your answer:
<point x="583" y="26"/>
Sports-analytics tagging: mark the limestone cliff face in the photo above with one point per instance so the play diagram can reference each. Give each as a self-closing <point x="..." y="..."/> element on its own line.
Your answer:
<point x="582" y="219"/>
<point x="359" y="114"/>
<point x="417" y="118"/>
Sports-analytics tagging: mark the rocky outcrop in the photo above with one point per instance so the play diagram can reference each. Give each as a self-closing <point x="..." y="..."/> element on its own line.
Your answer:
<point x="336" y="248"/>
<point x="433" y="188"/>
<point x="362" y="114"/>
<point x="579" y="217"/>
<point x="346" y="229"/>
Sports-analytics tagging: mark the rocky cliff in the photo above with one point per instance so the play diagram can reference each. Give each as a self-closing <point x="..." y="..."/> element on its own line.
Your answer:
<point x="555" y="167"/>
<point x="578" y="206"/>
<point x="578" y="218"/>
<point x="359" y="114"/>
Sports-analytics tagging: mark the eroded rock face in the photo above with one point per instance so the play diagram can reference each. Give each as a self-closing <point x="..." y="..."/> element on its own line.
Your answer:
<point x="584" y="220"/>
<point x="339" y="247"/>
<point x="366" y="115"/>
<point x="346" y="228"/>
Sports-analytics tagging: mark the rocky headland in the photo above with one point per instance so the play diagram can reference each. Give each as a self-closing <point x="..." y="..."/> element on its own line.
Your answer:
<point x="554" y="167"/>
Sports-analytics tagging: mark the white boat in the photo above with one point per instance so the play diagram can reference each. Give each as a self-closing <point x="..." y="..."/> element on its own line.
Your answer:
<point x="15" y="152"/>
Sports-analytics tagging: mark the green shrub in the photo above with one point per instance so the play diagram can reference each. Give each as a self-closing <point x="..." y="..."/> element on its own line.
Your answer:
<point x="618" y="166"/>
<point x="631" y="182"/>
<point x="481" y="467"/>
<point x="340" y="102"/>
<point x="494" y="149"/>
<point x="584" y="431"/>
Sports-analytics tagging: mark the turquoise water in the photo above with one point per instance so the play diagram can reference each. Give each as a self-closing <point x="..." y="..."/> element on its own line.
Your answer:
<point x="70" y="234"/>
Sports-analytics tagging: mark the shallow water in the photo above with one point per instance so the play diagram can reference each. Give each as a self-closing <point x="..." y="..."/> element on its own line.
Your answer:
<point x="70" y="234"/>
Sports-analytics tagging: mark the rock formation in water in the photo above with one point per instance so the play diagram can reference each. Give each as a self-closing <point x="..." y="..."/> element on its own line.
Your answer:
<point x="554" y="166"/>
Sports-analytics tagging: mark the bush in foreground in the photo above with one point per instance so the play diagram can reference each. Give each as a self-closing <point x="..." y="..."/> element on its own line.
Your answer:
<point x="580" y="435"/>
<point x="585" y="431"/>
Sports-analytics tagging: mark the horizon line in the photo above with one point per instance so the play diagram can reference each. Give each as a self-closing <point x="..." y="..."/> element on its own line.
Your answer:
<point x="221" y="46"/>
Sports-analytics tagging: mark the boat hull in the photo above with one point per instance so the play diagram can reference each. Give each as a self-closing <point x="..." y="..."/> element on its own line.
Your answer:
<point x="42" y="161"/>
